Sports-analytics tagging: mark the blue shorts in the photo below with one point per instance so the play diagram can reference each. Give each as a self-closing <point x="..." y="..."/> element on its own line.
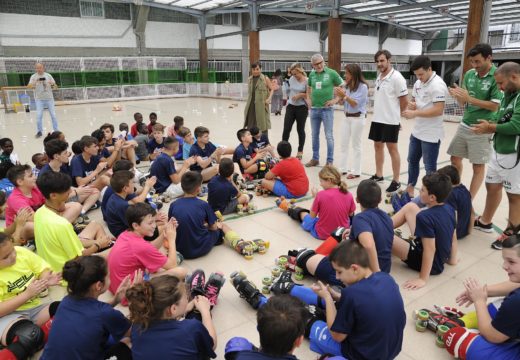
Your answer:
<point x="279" y="189"/>
<point x="321" y="340"/>
<point x="480" y="348"/>
<point x="309" y="224"/>
<point x="325" y="272"/>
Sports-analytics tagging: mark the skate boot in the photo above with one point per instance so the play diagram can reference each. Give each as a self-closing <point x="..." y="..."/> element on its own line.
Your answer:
<point x="314" y="314"/>
<point x="284" y="203"/>
<point x="448" y="311"/>
<point x="294" y="213"/>
<point x="196" y="282"/>
<point x="260" y="246"/>
<point x="284" y="284"/>
<point x="426" y="319"/>
<point x="247" y="289"/>
<point x="243" y="247"/>
<point x="212" y="289"/>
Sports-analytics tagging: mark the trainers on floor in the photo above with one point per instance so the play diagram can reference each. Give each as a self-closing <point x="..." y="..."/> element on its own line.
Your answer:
<point x="377" y="178"/>
<point x="38" y="134"/>
<point x="497" y="244"/>
<point x="213" y="286"/>
<point x="394" y="186"/>
<point x="487" y="228"/>
<point x="284" y="284"/>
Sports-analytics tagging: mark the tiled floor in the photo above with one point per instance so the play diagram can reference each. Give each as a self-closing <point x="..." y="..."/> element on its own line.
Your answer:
<point x="233" y="316"/>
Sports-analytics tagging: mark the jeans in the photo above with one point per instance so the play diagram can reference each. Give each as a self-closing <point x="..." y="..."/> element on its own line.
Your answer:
<point x="299" y="114"/>
<point x="40" y="104"/>
<point x="351" y="129"/>
<point x="428" y="151"/>
<point x="325" y="115"/>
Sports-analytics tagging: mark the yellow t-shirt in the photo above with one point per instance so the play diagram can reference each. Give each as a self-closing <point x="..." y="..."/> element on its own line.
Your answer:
<point x="15" y="279"/>
<point x="56" y="241"/>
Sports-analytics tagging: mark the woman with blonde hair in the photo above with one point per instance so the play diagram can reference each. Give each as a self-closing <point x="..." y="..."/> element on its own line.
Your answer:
<point x="355" y="99"/>
<point x="297" y="109"/>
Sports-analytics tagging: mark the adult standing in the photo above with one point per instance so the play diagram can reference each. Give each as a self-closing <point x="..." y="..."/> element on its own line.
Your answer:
<point x="390" y="100"/>
<point x="43" y="83"/>
<point x="504" y="161"/>
<point x="355" y="100"/>
<point x="481" y="97"/>
<point x="427" y="107"/>
<point x="297" y="109"/>
<point x="320" y="98"/>
<point x="259" y="94"/>
<point x="277" y="100"/>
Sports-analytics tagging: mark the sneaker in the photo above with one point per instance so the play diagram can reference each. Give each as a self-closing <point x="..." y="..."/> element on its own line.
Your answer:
<point x="213" y="286"/>
<point x="377" y="178"/>
<point x="487" y="228"/>
<point x="312" y="163"/>
<point x="394" y="186"/>
<point x="497" y="244"/>
<point x="38" y="135"/>
<point x="284" y="284"/>
<point x="247" y="289"/>
<point x="196" y="282"/>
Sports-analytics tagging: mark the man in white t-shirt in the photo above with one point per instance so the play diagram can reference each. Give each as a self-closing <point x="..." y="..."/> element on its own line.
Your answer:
<point x="43" y="83"/>
<point x="390" y="99"/>
<point x="427" y="107"/>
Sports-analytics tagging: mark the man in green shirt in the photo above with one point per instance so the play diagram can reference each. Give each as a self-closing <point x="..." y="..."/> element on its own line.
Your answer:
<point x="504" y="167"/>
<point x="321" y="101"/>
<point x="480" y="96"/>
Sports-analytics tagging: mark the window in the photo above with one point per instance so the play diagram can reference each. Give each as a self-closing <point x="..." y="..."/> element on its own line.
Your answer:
<point x="495" y="38"/>
<point x="515" y="33"/>
<point x="311" y="27"/>
<point x="92" y="8"/>
<point x="230" y="19"/>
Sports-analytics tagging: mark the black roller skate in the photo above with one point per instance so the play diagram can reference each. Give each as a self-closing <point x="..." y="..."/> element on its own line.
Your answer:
<point x="284" y="284"/>
<point x="197" y="283"/>
<point x="427" y="319"/>
<point x="247" y="289"/>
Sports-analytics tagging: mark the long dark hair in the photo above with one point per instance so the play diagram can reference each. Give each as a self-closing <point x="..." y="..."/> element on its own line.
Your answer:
<point x="357" y="76"/>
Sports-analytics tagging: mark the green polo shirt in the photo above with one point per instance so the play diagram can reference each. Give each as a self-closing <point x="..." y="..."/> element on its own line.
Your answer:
<point x="482" y="88"/>
<point x="322" y="85"/>
<point x="507" y="135"/>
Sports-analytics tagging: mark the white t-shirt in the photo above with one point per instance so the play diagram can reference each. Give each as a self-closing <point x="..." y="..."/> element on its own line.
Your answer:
<point x="429" y="129"/>
<point x="386" y="98"/>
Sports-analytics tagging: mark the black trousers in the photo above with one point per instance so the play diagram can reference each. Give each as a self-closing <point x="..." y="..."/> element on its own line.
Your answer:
<point x="299" y="114"/>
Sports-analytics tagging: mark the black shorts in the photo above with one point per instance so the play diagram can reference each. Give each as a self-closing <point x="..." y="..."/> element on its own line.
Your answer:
<point x="383" y="132"/>
<point x="415" y="254"/>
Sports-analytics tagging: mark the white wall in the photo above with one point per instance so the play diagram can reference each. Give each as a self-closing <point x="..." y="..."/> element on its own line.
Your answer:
<point x="51" y="27"/>
<point x="357" y="44"/>
<point x="289" y="40"/>
<point x="403" y="47"/>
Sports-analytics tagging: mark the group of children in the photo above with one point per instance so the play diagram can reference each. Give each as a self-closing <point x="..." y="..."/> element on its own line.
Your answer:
<point x="138" y="257"/>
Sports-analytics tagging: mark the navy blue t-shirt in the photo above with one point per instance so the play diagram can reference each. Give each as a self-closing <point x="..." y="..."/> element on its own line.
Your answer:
<point x="80" y="168"/>
<point x="507" y="319"/>
<point x="437" y="222"/>
<point x="377" y="222"/>
<point x="115" y="214"/>
<point x="256" y="355"/>
<point x="6" y="186"/>
<point x="371" y="313"/>
<point x="64" y="169"/>
<point x="108" y="193"/>
<point x="152" y="145"/>
<point x="220" y="193"/>
<point x="262" y="143"/>
<point x="205" y="153"/>
<point x="193" y="237"/>
<point x="81" y="328"/>
<point x="460" y="200"/>
<point x="171" y="339"/>
<point x="241" y="152"/>
<point x="162" y="168"/>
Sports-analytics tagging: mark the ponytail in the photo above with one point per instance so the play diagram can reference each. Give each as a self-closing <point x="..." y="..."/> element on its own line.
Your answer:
<point x="140" y="297"/>
<point x="83" y="272"/>
<point x="343" y="187"/>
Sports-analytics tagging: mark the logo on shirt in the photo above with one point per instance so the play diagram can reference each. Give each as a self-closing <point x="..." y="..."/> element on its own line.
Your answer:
<point x="20" y="283"/>
<point x="486" y="84"/>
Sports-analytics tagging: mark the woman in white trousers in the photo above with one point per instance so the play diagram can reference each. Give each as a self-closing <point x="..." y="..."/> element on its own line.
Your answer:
<point x="355" y="99"/>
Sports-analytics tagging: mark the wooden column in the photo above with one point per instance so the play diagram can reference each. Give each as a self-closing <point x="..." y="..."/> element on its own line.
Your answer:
<point x="334" y="44"/>
<point x="254" y="46"/>
<point x="475" y="16"/>
<point x="203" y="58"/>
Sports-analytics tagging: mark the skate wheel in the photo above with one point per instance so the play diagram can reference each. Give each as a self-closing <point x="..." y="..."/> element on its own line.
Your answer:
<point x="420" y="326"/>
<point x="387" y="201"/>
<point x="422" y="315"/>
<point x="282" y="261"/>
<point x="266" y="280"/>
<point x="298" y="277"/>
<point x="248" y="257"/>
<point x="266" y="290"/>
<point x="441" y="330"/>
<point x="275" y="271"/>
<point x="293" y="201"/>
<point x="439" y="342"/>
<point x="262" y="250"/>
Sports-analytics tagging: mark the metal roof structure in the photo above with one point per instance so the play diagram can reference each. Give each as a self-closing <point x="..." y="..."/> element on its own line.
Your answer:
<point x="420" y="16"/>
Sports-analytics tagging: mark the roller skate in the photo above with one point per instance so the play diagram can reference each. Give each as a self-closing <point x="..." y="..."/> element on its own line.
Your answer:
<point x="197" y="282"/>
<point x="284" y="284"/>
<point x="314" y="314"/>
<point x="213" y="285"/>
<point x="399" y="199"/>
<point x="284" y="203"/>
<point x="426" y="319"/>
<point x="260" y="246"/>
<point x="244" y="248"/>
<point x="247" y="289"/>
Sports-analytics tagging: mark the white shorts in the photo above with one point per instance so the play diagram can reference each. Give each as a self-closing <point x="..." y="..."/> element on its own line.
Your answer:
<point x="175" y="190"/>
<point x="496" y="174"/>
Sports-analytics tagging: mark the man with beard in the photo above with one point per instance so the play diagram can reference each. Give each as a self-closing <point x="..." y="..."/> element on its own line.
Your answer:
<point x="390" y="100"/>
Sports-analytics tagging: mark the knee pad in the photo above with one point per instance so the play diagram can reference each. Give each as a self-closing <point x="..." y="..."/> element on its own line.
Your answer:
<point x="302" y="257"/>
<point x="263" y="168"/>
<point x="25" y="338"/>
<point x="235" y="345"/>
<point x="458" y="340"/>
<point x="294" y="213"/>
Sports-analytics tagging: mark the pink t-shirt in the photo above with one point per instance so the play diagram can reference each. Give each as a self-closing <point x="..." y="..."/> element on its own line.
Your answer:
<point x="130" y="253"/>
<point x="17" y="201"/>
<point x="333" y="208"/>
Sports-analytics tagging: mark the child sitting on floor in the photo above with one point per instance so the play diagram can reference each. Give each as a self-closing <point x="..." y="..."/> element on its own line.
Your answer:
<point x="434" y="229"/>
<point x="178" y="122"/>
<point x="156" y="143"/>
<point x="87" y="168"/>
<point x="7" y="147"/>
<point x="39" y="160"/>
<point x="138" y="119"/>
<point x="331" y="208"/>
<point x="251" y="164"/>
<point x="288" y="177"/>
<point x="189" y="140"/>
<point x="142" y="142"/>
<point x="205" y="153"/>
<point x="223" y="194"/>
<point x="261" y="142"/>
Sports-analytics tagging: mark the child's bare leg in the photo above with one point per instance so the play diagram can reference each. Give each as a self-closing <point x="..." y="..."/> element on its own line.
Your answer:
<point x="253" y="169"/>
<point x="101" y="182"/>
<point x="313" y="262"/>
<point x="72" y="211"/>
<point x="407" y="215"/>
<point x="228" y="151"/>
<point x="91" y="233"/>
<point x="179" y="272"/>
<point x="130" y="155"/>
<point x="89" y="200"/>
<point x="243" y="199"/>
<point x="27" y="232"/>
<point x="400" y="248"/>
<point x="208" y="173"/>
<point x="43" y="316"/>
<point x="268" y="184"/>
